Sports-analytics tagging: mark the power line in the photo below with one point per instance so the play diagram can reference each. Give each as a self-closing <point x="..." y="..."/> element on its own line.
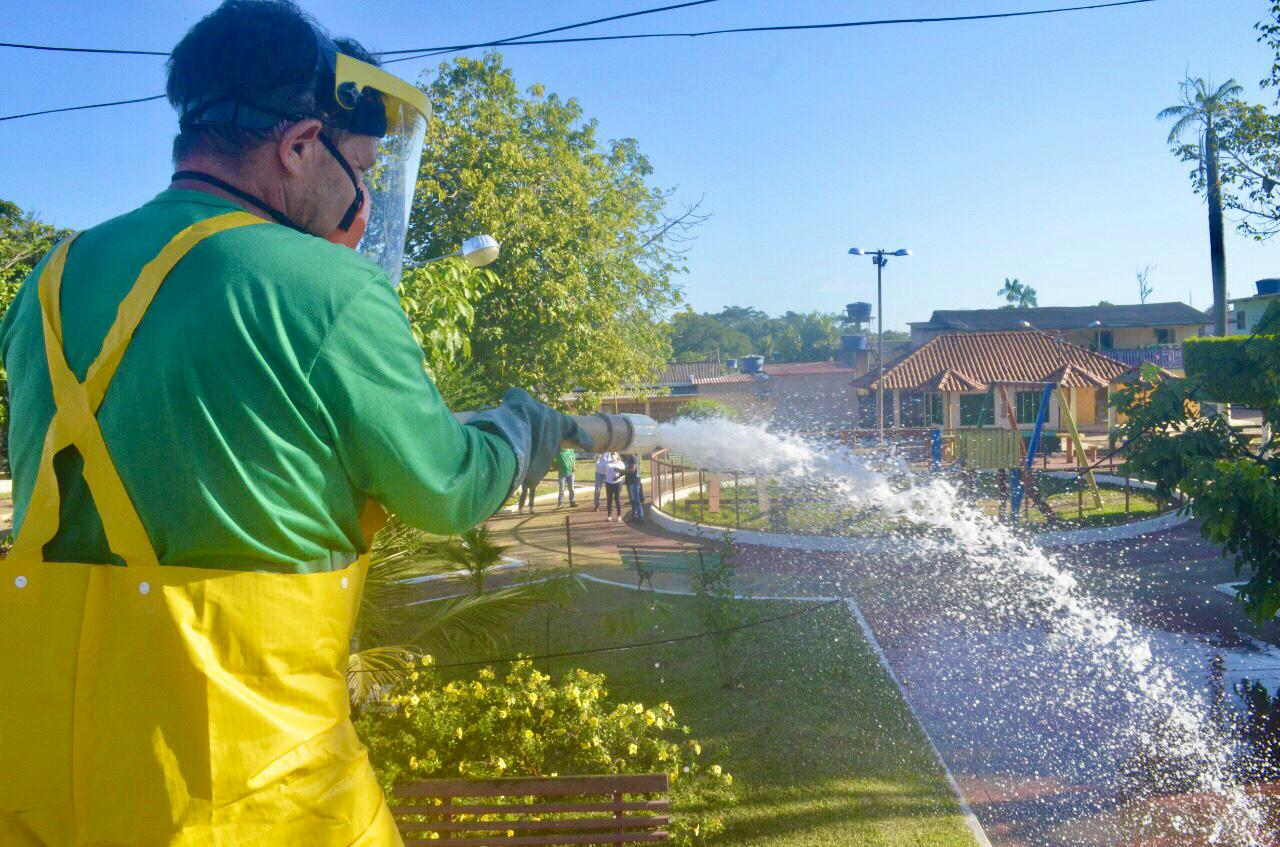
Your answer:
<point x="515" y="42"/>
<point x="788" y="27"/>
<point x="103" y="50"/>
<point x="435" y="51"/>
<point x="658" y="642"/>
<point x="52" y="48"/>
<point x="78" y="108"/>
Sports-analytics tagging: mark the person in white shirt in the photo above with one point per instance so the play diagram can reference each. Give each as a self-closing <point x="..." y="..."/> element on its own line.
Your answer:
<point x="613" y="485"/>
<point x="602" y="465"/>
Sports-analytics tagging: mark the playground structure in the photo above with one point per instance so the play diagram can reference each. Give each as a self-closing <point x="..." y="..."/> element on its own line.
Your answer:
<point x="1002" y="449"/>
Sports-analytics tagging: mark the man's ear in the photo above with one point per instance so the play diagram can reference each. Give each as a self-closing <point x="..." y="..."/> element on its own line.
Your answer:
<point x="298" y="145"/>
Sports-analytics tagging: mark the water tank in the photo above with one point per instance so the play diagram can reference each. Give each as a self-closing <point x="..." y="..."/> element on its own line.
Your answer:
<point x="752" y="364"/>
<point x="853" y="343"/>
<point x="732" y="364"/>
<point x="858" y="312"/>
<point x="1268" y="286"/>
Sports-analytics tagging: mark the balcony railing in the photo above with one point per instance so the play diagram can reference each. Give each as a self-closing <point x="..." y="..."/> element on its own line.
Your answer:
<point x="1168" y="356"/>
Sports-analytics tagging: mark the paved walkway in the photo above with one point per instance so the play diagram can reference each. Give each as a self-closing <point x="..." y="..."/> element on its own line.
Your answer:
<point x="1036" y="767"/>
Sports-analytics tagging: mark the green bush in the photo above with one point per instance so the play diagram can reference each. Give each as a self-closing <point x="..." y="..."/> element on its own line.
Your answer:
<point x="701" y="410"/>
<point x="526" y="724"/>
<point x="1231" y="369"/>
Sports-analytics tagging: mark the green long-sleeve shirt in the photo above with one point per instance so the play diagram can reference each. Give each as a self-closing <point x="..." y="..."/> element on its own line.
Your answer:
<point x="272" y="387"/>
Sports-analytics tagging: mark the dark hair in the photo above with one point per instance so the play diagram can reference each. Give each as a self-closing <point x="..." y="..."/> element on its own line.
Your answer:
<point x="241" y="49"/>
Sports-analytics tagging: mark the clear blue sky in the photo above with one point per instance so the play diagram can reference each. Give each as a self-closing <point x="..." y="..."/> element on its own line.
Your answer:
<point x="1023" y="148"/>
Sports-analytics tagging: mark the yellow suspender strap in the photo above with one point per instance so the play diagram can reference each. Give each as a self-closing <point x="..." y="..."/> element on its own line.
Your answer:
<point x="76" y="403"/>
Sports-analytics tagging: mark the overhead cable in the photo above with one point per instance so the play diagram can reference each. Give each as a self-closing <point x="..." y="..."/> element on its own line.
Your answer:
<point x="785" y="27"/>
<point x="435" y="51"/>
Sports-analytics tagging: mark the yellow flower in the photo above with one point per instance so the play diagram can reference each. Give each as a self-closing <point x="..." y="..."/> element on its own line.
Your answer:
<point x="477" y="689"/>
<point x="413" y="676"/>
<point x="650" y="718"/>
<point x="637" y="708"/>
<point x="413" y="763"/>
<point x="426" y="661"/>
<point x="533" y="698"/>
<point x="632" y="749"/>
<point x="458" y="732"/>
<point x="728" y="779"/>
<point x="528" y="735"/>
<point x="715" y="770"/>
<point x="501" y="764"/>
<point x="697" y="749"/>
<point x="485" y="673"/>
<point x="662" y="755"/>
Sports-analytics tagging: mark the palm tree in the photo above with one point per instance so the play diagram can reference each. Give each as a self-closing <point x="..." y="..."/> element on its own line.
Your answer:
<point x="1017" y="294"/>
<point x="1203" y="108"/>
<point x="475" y="552"/>
<point x="394" y="628"/>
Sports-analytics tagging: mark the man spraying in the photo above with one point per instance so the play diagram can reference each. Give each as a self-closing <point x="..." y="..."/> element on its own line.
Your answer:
<point x="211" y="402"/>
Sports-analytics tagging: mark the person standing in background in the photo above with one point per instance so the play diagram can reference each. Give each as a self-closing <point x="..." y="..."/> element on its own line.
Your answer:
<point x="527" y="489"/>
<point x="565" y="461"/>
<point x="613" y="485"/>
<point x="602" y="468"/>
<point x="635" y="492"/>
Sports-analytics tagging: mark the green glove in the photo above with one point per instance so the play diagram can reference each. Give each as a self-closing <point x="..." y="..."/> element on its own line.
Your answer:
<point x="534" y="430"/>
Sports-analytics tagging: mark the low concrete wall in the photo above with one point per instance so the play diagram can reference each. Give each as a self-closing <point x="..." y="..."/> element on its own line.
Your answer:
<point x="887" y="544"/>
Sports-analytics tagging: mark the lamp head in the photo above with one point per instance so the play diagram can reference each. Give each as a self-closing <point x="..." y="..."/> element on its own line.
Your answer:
<point x="480" y="250"/>
<point x="855" y="251"/>
<point x="902" y="252"/>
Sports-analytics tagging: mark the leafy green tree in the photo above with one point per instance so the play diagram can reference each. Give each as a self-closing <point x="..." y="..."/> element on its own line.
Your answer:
<point x="23" y="240"/>
<point x="1233" y="483"/>
<point x="589" y="252"/>
<point x="1017" y="295"/>
<point x="702" y="410"/>
<point x="699" y="337"/>
<point x="1202" y="109"/>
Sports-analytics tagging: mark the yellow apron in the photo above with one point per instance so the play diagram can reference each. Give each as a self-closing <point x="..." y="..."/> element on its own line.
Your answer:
<point x="149" y="705"/>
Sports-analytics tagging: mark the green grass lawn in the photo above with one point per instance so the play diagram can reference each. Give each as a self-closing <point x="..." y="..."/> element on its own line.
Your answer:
<point x="802" y="513"/>
<point x="823" y="751"/>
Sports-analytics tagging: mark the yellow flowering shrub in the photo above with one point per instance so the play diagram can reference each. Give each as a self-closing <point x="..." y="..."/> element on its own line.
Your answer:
<point x="524" y="723"/>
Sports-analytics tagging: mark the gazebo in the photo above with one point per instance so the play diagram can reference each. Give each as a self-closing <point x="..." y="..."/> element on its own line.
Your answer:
<point x="983" y="379"/>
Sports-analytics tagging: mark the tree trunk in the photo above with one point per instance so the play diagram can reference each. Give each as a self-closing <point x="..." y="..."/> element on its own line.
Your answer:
<point x="1217" y="247"/>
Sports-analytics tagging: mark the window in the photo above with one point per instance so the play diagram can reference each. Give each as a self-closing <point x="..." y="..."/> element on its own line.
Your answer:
<point x="1240" y="319"/>
<point x="1164" y="336"/>
<point x="1026" y="405"/>
<point x="1106" y="341"/>
<point x="977" y="409"/>
<point x="937" y="409"/>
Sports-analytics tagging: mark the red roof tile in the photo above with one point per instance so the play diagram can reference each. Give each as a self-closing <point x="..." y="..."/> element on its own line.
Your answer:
<point x="724" y="380"/>
<point x="979" y="359"/>
<point x="806" y="368"/>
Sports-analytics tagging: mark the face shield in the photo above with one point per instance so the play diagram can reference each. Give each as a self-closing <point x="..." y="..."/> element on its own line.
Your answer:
<point x="396" y="113"/>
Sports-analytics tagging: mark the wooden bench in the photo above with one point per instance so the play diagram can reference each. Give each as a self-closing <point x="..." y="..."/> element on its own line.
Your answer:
<point x="531" y="811"/>
<point x="646" y="561"/>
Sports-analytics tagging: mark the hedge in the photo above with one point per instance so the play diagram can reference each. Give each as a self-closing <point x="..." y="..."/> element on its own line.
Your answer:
<point x="1223" y="370"/>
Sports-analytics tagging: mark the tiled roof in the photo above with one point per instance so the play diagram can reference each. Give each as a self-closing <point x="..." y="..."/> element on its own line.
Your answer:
<point x="1064" y="317"/>
<point x="726" y="379"/>
<point x="972" y="361"/>
<point x="806" y="368"/>
<point x="683" y="373"/>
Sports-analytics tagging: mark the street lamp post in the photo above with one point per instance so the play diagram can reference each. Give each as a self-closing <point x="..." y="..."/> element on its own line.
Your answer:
<point x="477" y="251"/>
<point x="879" y="258"/>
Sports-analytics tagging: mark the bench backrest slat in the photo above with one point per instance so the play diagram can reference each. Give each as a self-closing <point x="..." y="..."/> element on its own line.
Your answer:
<point x="535" y="808"/>
<point x="610" y="820"/>
<point x="544" y="840"/>
<point x="541" y="786"/>
<point x="555" y="825"/>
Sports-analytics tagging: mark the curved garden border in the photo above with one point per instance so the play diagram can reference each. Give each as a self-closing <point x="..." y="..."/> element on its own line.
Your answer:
<point x="887" y="544"/>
